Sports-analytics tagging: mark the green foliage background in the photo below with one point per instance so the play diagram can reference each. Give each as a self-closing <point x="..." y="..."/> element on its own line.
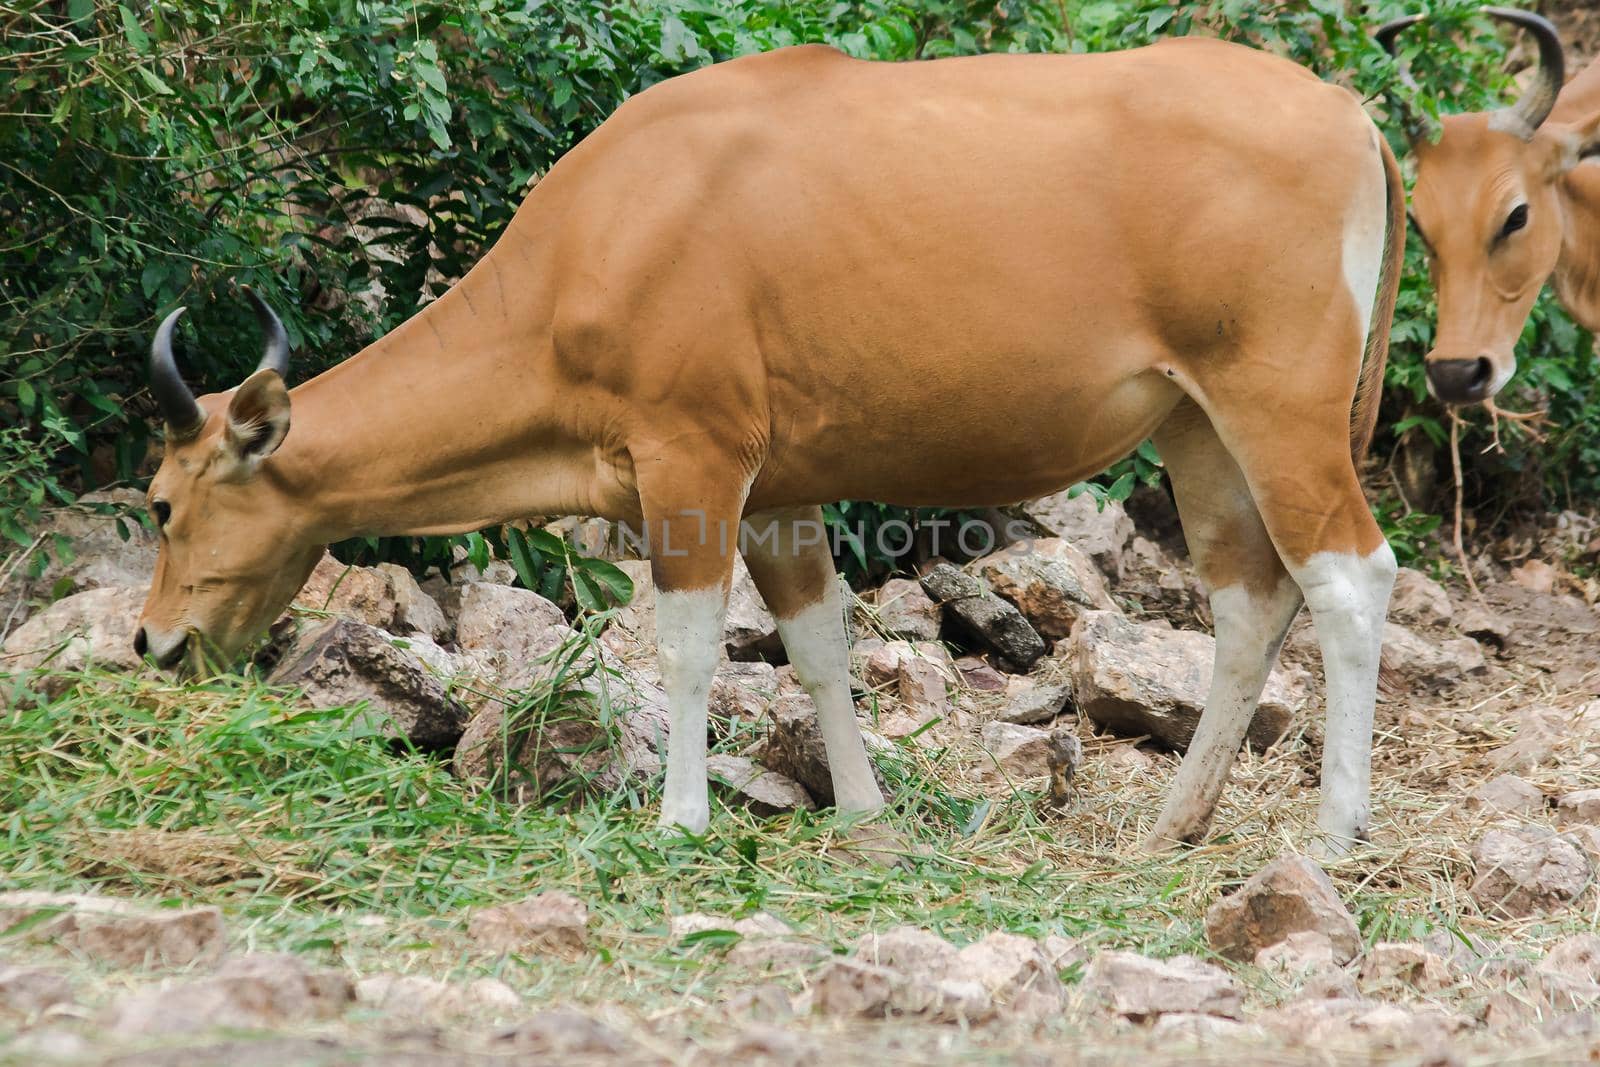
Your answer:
<point x="348" y="157"/>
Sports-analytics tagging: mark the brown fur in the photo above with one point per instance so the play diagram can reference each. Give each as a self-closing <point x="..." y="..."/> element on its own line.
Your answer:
<point x="797" y="277"/>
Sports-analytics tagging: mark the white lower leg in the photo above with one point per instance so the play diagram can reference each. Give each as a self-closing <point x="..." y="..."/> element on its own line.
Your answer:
<point x="815" y="641"/>
<point x="688" y="640"/>
<point x="1349" y="598"/>
<point x="1250" y="629"/>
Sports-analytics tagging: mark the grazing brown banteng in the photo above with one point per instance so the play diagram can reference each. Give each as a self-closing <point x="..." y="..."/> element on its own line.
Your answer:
<point x="798" y="277"/>
<point x="1502" y="206"/>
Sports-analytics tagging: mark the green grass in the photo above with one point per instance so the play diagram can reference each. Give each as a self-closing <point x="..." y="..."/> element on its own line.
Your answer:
<point x="292" y="818"/>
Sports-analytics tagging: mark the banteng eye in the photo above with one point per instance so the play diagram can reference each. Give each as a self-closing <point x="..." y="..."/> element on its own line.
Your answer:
<point x="162" y="512"/>
<point x="1515" y="221"/>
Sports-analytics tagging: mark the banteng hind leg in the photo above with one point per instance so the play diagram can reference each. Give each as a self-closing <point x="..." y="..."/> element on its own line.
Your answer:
<point x="1253" y="600"/>
<point x="787" y="553"/>
<point x="1292" y="445"/>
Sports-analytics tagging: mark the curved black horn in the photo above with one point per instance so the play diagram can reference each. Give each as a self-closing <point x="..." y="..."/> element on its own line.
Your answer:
<point x="276" y="357"/>
<point x="1527" y="114"/>
<point x="1414" y="127"/>
<point x="177" y="404"/>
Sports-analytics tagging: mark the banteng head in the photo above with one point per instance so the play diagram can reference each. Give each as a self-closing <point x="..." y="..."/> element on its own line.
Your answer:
<point x="1487" y="205"/>
<point x="233" y="550"/>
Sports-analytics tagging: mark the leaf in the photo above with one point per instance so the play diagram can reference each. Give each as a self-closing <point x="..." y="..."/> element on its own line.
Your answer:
<point x="432" y="76"/>
<point x="611" y="581"/>
<point x="25" y="396"/>
<point x="524" y="559"/>
<point x="135" y="32"/>
<point x="678" y="44"/>
<point x="155" y="83"/>
<point x="713" y="938"/>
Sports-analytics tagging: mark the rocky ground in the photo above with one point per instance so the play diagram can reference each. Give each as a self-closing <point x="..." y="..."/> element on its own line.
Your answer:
<point x="1027" y="710"/>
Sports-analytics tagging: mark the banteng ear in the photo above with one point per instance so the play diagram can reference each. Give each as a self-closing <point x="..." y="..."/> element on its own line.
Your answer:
<point x="258" y="418"/>
<point x="1578" y="141"/>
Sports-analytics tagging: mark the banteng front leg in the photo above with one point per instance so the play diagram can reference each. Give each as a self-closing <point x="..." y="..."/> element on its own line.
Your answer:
<point x="691" y="563"/>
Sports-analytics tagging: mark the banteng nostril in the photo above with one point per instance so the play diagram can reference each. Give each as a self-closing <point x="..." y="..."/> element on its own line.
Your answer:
<point x="1461" y="381"/>
<point x="141" y="644"/>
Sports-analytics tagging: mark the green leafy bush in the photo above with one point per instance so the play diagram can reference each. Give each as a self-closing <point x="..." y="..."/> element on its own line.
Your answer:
<point x="349" y="158"/>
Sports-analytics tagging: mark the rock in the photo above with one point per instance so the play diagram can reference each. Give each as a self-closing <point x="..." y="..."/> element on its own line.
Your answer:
<point x="767" y="1002"/>
<point x="1163" y="585"/>
<point x="1101" y="533"/>
<point x="246" y="992"/>
<point x="764" y="792"/>
<point x="1034" y="703"/>
<point x="741" y="693"/>
<point x="414" y="997"/>
<point x="1063" y="952"/>
<point x="510" y="632"/>
<point x="1411" y="663"/>
<point x="386" y="597"/>
<point x="750" y="632"/>
<point x="1580" y="806"/>
<point x="1586" y="837"/>
<point x="631" y="634"/>
<point x="922" y="690"/>
<point x="908" y="950"/>
<point x="564" y="750"/>
<point x="848" y="988"/>
<point x="1536" y="576"/>
<point x="1142" y="679"/>
<point x="982" y="617"/>
<point x="417" y="998"/>
<point x="1525" y="872"/>
<point x="547" y="924"/>
<point x="795" y="749"/>
<point x="1366" y="1024"/>
<point x="853" y="989"/>
<point x="1143" y="990"/>
<point x="491" y="994"/>
<point x="1125" y="760"/>
<point x="1392" y="965"/>
<point x="1009" y="968"/>
<point x="884" y="664"/>
<point x="906" y="612"/>
<point x="344" y="663"/>
<point x="565" y="1033"/>
<point x="86" y="631"/>
<point x="28" y="991"/>
<point x="117" y="933"/>
<point x="1418" y="600"/>
<point x="1540" y="731"/>
<point x="1302" y="952"/>
<point x="1329" y="982"/>
<point x="1180" y="1028"/>
<point x="775" y="955"/>
<point x="1506" y="794"/>
<point x="1018" y="753"/>
<point x="1049" y="581"/>
<point x="1479" y="623"/>
<point x="1568" y="978"/>
<point x="977" y="675"/>
<point x="97" y="557"/>
<point x="1288" y="895"/>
